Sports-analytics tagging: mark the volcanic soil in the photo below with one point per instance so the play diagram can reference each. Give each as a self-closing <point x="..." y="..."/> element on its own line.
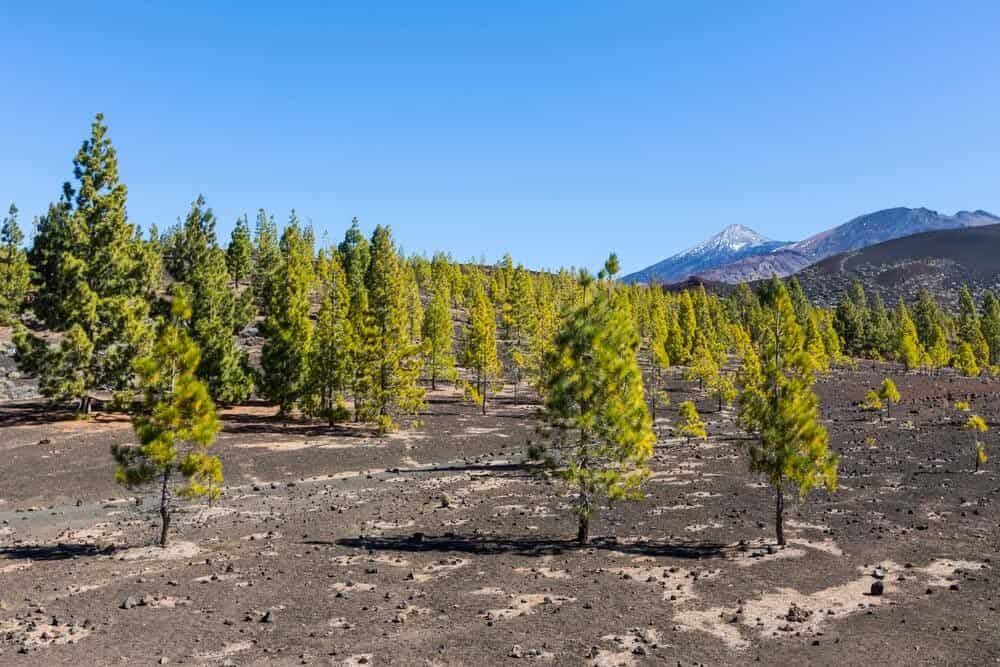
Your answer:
<point x="437" y="545"/>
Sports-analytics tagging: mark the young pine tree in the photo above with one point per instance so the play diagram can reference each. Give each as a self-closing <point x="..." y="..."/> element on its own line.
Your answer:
<point x="479" y="348"/>
<point x="239" y="254"/>
<point x="438" y="332"/>
<point x="965" y="361"/>
<point x="15" y="273"/>
<point x="888" y="392"/>
<point x="977" y="426"/>
<point x="600" y="433"/>
<point x="780" y="408"/>
<point x="177" y="423"/>
<point x="691" y="424"/>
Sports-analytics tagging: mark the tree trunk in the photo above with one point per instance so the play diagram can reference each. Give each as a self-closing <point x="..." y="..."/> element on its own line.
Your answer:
<point x="779" y="516"/>
<point x="583" y="530"/>
<point x="165" y="509"/>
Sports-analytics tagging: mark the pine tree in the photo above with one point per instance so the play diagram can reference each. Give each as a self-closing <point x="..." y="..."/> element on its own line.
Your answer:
<point x="851" y="320"/>
<point x="177" y="423"/>
<point x="479" y="348"/>
<point x="288" y="327"/>
<point x="217" y="314"/>
<point x="266" y="258"/>
<point x="395" y="369"/>
<point x="990" y="325"/>
<point x="888" y="392"/>
<point x="779" y="406"/>
<point x="908" y="348"/>
<point x="97" y="278"/>
<point x="966" y="361"/>
<point x="969" y="330"/>
<point x="523" y="322"/>
<point x="239" y="254"/>
<point x="438" y="331"/>
<point x="977" y="425"/>
<point x="691" y="424"/>
<point x="15" y="273"/>
<point x="600" y="433"/>
<point x="329" y="364"/>
<point x="702" y="368"/>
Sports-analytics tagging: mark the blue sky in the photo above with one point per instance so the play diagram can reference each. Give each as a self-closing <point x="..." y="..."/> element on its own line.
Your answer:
<point x="555" y="131"/>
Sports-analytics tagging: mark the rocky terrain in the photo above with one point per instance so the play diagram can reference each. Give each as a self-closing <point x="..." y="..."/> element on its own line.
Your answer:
<point x="940" y="262"/>
<point x="436" y="545"/>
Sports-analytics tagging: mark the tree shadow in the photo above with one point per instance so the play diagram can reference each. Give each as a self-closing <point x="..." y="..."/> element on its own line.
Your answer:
<point x="249" y="424"/>
<point x="45" y="552"/>
<point x="34" y="413"/>
<point x="527" y="546"/>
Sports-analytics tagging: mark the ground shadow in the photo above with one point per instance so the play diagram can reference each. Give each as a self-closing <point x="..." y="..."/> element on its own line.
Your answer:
<point x="34" y="413"/>
<point x="528" y="546"/>
<point x="53" y="551"/>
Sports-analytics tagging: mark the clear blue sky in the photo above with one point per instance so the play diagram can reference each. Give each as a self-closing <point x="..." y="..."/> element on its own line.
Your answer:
<point x="555" y="131"/>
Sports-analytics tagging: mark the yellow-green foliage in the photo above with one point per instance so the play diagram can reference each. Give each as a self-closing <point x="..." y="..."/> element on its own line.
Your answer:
<point x="871" y="441"/>
<point x="691" y="425"/>
<point x="599" y="432"/>
<point x="966" y="361"/>
<point x="964" y="406"/>
<point x="888" y="392"/>
<point x="981" y="456"/>
<point x="976" y="424"/>
<point x="177" y="423"/>
<point x="872" y="402"/>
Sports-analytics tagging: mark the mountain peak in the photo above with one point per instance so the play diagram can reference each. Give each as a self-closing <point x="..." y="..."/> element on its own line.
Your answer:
<point x="734" y="237"/>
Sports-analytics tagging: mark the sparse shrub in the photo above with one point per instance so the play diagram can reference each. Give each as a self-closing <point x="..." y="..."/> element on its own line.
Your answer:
<point x="977" y="425"/>
<point x="872" y="402"/>
<point x="871" y="442"/>
<point x="962" y="406"/>
<point x="888" y="393"/>
<point x="691" y="424"/>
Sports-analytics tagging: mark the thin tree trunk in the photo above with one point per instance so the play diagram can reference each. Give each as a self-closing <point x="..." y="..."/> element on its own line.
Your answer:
<point x="779" y="516"/>
<point x="165" y="509"/>
<point x="583" y="530"/>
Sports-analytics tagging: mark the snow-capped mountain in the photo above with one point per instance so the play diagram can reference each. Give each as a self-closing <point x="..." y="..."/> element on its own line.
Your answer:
<point x="733" y="243"/>
<point x="739" y="254"/>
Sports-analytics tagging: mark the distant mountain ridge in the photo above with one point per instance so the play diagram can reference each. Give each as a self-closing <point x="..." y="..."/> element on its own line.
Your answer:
<point x="732" y="244"/>
<point x="739" y="254"/>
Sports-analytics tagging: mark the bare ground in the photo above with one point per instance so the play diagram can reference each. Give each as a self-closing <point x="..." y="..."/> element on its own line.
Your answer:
<point x="436" y="546"/>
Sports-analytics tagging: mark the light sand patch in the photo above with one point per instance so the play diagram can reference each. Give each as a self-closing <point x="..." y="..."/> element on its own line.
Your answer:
<point x="676" y="584"/>
<point x="390" y="525"/>
<point x="15" y="567"/>
<point x="176" y="549"/>
<point x="352" y="586"/>
<point x="656" y="511"/>
<point x="627" y="647"/>
<point x="356" y="660"/>
<point x="830" y="546"/>
<point x="228" y="649"/>
<point x="339" y="623"/>
<point x="759" y="546"/>
<point x="276" y="445"/>
<point x="523" y="510"/>
<point x="523" y="604"/>
<point x="6" y="531"/>
<point x="545" y="572"/>
<point x="941" y="572"/>
<point x="479" y="430"/>
<point x="802" y="525"/>
<point x="439" y="569"/>
<point x="258" y="537"/>
<point x="702" y="494"/>
<point x="699" y="527"/>
<point x="392" y="561"/>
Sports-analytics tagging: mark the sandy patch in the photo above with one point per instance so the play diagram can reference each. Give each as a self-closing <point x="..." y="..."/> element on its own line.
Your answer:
<point x="628" y="648"/>
<point x="352" y="586"/>
<point x="15" y="567"/>
<point x="438" y="569"/>
<point x="545" y="572"/>
<point x="523" y="604"/>
<point x="676" y="584"/>
<point x="176" y="549"/>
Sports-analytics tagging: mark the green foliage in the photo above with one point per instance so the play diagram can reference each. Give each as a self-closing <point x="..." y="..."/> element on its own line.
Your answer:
<point x="177" y="423"/>
<point x="888" y="392"/>
<point x="599" y="431"/>
<point x="96" y="278"/>
<point x="691" y="425"/>
<point x="872" y="402"/>
<point x="239" y="254"/>
<point x="438" y="329"/>
<point x="15" y="273"/>
<point x="479" y="347"/>
<point x="288" y="327"/>
<point x="392" y="360"/>
<point x="966" y="360"/>
<point x="330" y="355"/>
<point x="976" y="424"/>
<point x="779" y="406"/>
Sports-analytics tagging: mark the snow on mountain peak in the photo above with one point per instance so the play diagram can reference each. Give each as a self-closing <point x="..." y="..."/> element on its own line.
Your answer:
<point x="734" y="237"/>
